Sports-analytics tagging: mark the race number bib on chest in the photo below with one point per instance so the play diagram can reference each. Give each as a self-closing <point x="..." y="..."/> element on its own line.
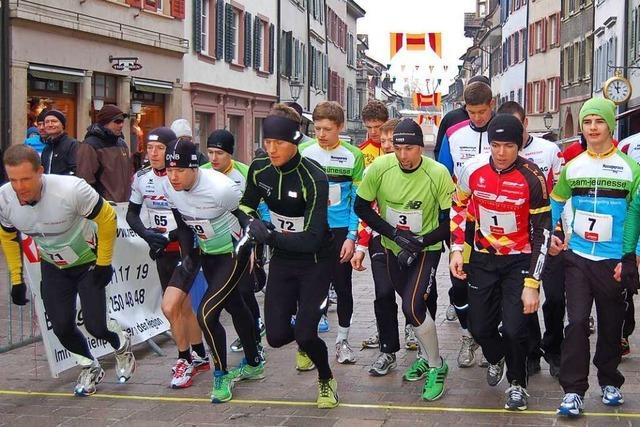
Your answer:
<point x="405" y="220"/>
<point x="202" y="228"/>
<point x="163" y="220"/>
<point x="494" y="222"/>
<point x="593" y="227"/>
<point x="61" y="257"/>
<point x="287" y="224"/>
<point x="335" y="194"/>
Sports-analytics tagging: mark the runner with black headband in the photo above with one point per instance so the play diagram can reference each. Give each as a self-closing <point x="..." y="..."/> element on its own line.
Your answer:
<point x="296" y="190"/>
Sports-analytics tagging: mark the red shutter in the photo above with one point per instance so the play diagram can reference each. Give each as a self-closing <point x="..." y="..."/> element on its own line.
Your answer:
<point x="558" y="28"/>
<point x="177" y="9"/>
<point x="529" y="96"/>
<point x="135" y="3"/>
<point x="557" y="83"/>
<point x="543" y="48"/>
<point x="532" y="39"/>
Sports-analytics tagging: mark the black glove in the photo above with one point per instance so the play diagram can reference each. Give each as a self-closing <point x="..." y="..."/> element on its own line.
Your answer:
<point x="154" y="255"/>
<point x="407" y="241"/>
<point x="406" y="258"/>
<point x="630" y="278"/>
<point x="156" y="241"/>
<point x="102" y="275"/>
<point x="260" y="231"/>
<point x="173" y="235"/>
<point x="19" y="294"/>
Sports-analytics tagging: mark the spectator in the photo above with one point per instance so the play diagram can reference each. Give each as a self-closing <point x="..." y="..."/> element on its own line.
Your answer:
<point x="182" y="129"/>
<point x="60" y="150"/>
<point x="40" y="124"/>
<point x="103" y="157"/>
<point x="33" y="139"/>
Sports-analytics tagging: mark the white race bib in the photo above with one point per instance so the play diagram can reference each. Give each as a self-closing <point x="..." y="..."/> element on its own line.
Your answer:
<point x="593" y="227"/>
<point x="494" y="222"/>
<point x="335" y="193"/>
<point x="405" y="220"/>
<point x="287" y="224"/>
<point x="62" y="256"/>
<point x="202" y="228"/>
<point x="162" y="220"/>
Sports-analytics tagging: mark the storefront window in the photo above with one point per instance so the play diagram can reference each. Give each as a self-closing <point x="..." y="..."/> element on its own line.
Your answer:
<point x="257" y="132"/>
<point x="150" y="117"/>
<point x="56" y="94"/>
<point x="202" y="127"/>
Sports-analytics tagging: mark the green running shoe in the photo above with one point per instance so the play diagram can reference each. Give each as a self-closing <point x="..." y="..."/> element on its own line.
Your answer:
<point x="327" y="394"/>
<point x="417" y="371"/>
<point x="247" y="372"/>
<point x="434" y="386"/>
<point x="304" y="362"/>
<point x="222" y="386"/>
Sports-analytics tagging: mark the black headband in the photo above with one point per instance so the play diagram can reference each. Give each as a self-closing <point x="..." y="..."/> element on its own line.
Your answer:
<point x="281" y="128"/>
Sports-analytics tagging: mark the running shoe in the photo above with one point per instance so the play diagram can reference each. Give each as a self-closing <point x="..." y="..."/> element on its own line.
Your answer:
<point x="417" y="371"/>
<point x="125" y="360"/>
<point x="383" y="364"/>
<point x="467" y="353"/>
<point x="592" y="325"/>
<point x="304" y="362"/>
<point x="222" y="386"/>
<point x="262" y="353"/>
<point x="451" y="315"/>
<point x="611" y="396"/>
<point x="262" y="327"/>
<point x="327" y="394"/>
<point x="247" y="372"/>
<point x="434" y="386"/>
<point x="372" y="342"/>
<point x="495" y="373"/>
<point x="571" y="406"/>
<point x="344" y="352"/>
<point x="90" y="376"/>
<point x="182" y="374"/>
<point x="625" y="347"/>
<point x="323" y="325"/>
<point x="236" y="345"/>
<point x="200" y="364"/>
<point x="516" y="398"/>
<point x="410" y="340"/>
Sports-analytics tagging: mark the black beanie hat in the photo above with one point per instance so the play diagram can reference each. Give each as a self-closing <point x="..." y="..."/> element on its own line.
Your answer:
<point x="505" y="128"/>
<point x="481" y="79"/>
<point x="408" y="132"/>
<point x="162" y="134"/>
<point x="182" y="154"/>
<point x="222" y="139"/>
<point x="281" y="128"/>
<point x="58" y="115"/>
<point x="42" y="115"/>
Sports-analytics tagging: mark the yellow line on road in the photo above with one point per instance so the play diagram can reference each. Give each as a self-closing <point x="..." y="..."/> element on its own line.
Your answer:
<point x="380" y="406"/>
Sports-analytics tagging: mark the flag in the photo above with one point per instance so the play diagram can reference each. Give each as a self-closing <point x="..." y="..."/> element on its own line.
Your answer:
<point x="421" y="100"/>
<point x="416" y="41"/>
<point x="435" y="42"/>
<point x="395" y="45"/>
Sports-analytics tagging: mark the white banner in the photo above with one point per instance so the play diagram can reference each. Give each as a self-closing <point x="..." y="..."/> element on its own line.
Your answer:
<point x="133" y="296"/>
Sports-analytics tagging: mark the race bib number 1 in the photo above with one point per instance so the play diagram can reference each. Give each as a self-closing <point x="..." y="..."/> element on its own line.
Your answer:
<point x="592" y="226"/>
<point x="287" y="224"/>
<point x="405" y="220"/>
<point x="494" y="222"/>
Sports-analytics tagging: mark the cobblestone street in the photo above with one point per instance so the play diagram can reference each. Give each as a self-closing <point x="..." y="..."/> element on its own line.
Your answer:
<point x="286" y="397"/>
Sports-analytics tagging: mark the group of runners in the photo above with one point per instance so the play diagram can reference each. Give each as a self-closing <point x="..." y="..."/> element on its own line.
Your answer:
<point x="494" y="196"/>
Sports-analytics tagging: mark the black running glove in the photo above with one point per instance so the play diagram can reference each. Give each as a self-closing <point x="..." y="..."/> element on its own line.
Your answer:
<point x="630" y="278"/>
<point x="102" y="275"/>
<point x="260" y="231"/>
<point x="407" y="241"/>
<point x="19" y="294"/>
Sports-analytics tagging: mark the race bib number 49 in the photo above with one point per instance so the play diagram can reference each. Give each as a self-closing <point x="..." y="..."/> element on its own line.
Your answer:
<point x="287" y="224"/>
<point x="494" y="222"/>
<point x="405" y="220"/>
<point x="593" y="227"/>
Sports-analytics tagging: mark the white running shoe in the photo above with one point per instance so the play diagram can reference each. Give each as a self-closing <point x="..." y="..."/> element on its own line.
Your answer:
<point x="182" y="374"/>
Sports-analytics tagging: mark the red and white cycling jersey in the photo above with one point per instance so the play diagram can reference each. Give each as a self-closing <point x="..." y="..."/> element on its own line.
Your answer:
<point x="547" y="156"/>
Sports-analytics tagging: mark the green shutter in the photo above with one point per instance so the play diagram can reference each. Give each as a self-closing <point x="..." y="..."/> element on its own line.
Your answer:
<point x="219" y="53"/>
<point x="228" y="33"/>
<point x="257" y="43"/>
<point x="247" y="40"/>
<point x="197" y="26"/>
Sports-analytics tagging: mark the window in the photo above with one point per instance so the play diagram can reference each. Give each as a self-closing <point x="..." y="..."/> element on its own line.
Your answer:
<point x="552" y="95"/>
<point x="235" y="35"/>
<point x="570" y="64"/>
<point x="350" y="103"/>
<point x="257" y="132"/>
<point x="202" y="126"/>
<point x="103" y="86"/>
<point x="519" y="96"/>
<point x="516" y="47"/>
<point x="351" y="50"/>
<point x="554" y="29"/>
<point x="204" y="27"/>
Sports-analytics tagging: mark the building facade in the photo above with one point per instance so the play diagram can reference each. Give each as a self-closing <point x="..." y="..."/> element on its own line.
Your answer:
<point x="352" y="106"/>
<point x="510" y="85"/>
<point x="576" y="42"/>
<point x="543" y="67"/>
<point x="77" y="56"/>
<point x="631" y="120"/>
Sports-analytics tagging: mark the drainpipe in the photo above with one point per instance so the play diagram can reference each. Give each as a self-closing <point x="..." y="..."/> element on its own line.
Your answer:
<point x="526" y="60"/>
<point x="5" y="69"/>
<point x="625" y="63"/>
<point x="308" y="61"/>
<point x="277" y="36"/>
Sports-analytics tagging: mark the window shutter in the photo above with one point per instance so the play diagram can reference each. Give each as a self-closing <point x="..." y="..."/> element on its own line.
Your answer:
<point x="312" y="64"/>
<point x="197" y="26"/>
<point x="288" y="53"/>
<point x="325" y="73"/>
<point x="341" y="91"/>
<point x="529" y="103"/>
<point x="135" y="3"/>
<point x="247" y="39"/>
<point x="257" y="43"/>
<point x="228" y="32"/>
<point x="557" y="101"/>
<point x="177" y="9"/>
<point x="272" y="46"/>
<point x="545" y="38"/>
<point x="219" y="50"/>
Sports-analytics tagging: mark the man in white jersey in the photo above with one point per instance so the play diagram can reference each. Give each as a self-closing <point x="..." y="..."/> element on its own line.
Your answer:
<point x="74" y="230"/>
<point x="147" y="190"/>
<point x="548" y="157"/>
<point x="203" y="202"/>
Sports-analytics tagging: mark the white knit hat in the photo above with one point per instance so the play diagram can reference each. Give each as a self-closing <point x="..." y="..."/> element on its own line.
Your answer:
<point x="181" y="127"/>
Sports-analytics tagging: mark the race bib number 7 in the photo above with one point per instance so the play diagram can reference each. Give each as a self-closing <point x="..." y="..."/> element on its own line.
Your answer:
<point x="495" y="222"/>
<point x="592" y="226"/>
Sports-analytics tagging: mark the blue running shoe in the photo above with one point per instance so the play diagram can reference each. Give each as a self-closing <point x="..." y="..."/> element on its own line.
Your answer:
<point x="323" y="325"/>
<point x="611" y="396"/>
<point x="571" y="406"/>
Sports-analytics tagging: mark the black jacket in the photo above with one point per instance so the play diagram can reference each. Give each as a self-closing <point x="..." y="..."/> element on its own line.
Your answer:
<point x="59" y="155"/>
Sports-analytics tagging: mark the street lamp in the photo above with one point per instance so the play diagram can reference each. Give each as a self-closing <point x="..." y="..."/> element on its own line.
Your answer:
<point x="548" y="120"/>
<point x="295" y="86"/>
